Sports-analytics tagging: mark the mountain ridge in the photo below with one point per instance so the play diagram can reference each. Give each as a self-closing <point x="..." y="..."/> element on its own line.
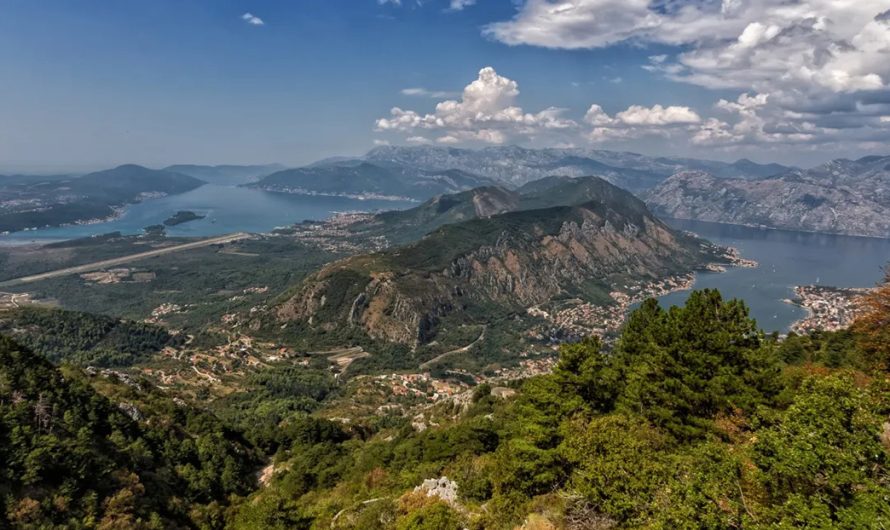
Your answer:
<point x="847" y="197"/>
<point x="506" y="263"/>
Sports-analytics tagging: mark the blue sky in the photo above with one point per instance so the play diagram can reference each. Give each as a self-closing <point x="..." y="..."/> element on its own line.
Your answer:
<point x="95" y="83"/>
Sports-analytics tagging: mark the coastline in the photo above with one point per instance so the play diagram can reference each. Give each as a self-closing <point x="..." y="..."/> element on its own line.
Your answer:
<point x="364" y="196"/>
<point x="777" y="228"/>
<point x="578" y="318"/>
<point x="827" y="308"/>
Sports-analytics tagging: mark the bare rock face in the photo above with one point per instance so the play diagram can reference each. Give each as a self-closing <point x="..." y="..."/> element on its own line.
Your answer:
<point x="841" y="197"/>
<point x="130" y="410"/>
<point x="441" y="487"/>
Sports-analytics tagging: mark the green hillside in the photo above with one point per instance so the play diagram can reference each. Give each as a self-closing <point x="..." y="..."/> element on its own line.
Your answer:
<point x="128" y="457"/>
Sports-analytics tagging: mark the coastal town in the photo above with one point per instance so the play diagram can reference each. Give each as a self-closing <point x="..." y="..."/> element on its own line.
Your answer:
<point x="334" y="234"/>
<point x="574" y="319"/>
<point x="828" y="308"/>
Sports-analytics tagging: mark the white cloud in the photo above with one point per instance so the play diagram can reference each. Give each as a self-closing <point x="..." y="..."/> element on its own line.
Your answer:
<point x="638" y="121"/>
<point x="425" y="93"/>
<point x="658" y="115"/>
<point x="838" y="45"/>
<point x="820" y="66"/>
<point x="251" y="19"/>
<point x="457" y="5"/>
<point x="575" y="23"/>
<point x="486" y="112"/>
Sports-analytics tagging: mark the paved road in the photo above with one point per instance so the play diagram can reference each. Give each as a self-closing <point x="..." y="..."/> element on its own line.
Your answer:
<point x="229" y="238"/>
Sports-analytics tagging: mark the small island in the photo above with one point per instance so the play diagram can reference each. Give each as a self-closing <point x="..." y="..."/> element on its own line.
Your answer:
<point x="182" y="216"/>
<point x="154" y="230"/>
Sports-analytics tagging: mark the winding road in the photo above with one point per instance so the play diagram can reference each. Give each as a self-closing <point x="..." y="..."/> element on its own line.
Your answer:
<point x="466" y="348"/>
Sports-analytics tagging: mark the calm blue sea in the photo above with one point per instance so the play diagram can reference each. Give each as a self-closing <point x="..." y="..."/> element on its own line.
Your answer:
<point x="228" y="209"/>
<point x="786" y="259"/>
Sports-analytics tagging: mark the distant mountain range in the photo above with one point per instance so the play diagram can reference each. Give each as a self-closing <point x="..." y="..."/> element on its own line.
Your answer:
<point x="515" y="166"/>
<point x="501" y="252"/>
<point x="228" y="175"/>
<point x="40" y="202"/>
<point x="850" y="197"/>
<point x="364" y="179"/>
<point x="421" y="172"/>
<point x="842" y="196"/>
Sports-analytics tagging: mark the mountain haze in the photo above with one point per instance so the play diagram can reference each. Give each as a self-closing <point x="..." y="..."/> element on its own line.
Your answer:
<point x="228" y="175"/>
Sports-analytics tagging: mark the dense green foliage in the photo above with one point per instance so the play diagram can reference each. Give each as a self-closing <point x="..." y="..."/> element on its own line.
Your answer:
<point x="276" y="401"/>
<point x="73" y="459"/>
<point x="694" y="419"/>
<point x="86" y="339"/>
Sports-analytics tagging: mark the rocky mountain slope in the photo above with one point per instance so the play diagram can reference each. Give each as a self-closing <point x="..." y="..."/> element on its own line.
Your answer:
<point x="849" y="197"/>
<point x="506" y="262"/>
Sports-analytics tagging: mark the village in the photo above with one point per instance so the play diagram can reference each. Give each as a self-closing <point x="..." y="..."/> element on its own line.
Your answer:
<point x="334" y="235"/>
<point x="828" y="308"/>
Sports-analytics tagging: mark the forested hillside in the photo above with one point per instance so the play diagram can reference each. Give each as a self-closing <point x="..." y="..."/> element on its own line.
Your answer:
<point x="85" y="339"/>
<point x="693" y="419"/>
<point x="127" y="457"/>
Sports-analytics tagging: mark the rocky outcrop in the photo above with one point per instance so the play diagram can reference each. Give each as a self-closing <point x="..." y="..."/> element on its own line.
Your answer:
<point x="841" y="197"/>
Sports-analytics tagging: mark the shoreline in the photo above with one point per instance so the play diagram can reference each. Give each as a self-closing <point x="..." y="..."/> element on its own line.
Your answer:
<point x="585" y="318"/>
<point x="827" y="308"/>
<point x="776" y="228"/>
<point x="364" y="196"/>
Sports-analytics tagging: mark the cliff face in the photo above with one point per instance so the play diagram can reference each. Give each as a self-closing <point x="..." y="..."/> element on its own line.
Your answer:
<point x="509" y="262"/>
<point x="841" y="197"/>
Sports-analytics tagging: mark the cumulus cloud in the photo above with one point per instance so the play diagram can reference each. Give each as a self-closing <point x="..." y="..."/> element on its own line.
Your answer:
<point x="804" y="68"/>
<point x="252" y="19"/>
<point x="486" y="112"/>
<point x="658" y="115"/>
<point x="638" y="121"/>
